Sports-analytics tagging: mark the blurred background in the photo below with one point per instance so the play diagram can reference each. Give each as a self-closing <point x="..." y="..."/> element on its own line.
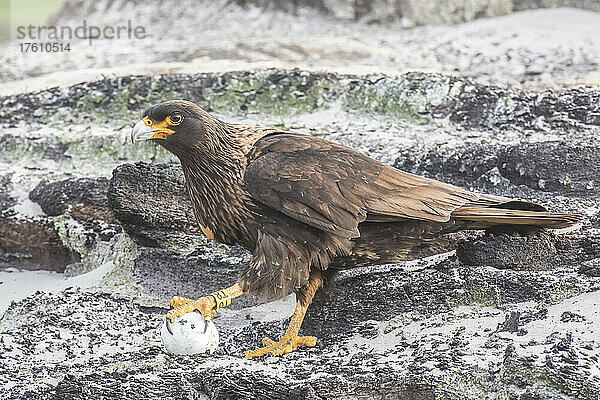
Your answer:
<point x="15" y="13"/>
<point x="520" y="43"/>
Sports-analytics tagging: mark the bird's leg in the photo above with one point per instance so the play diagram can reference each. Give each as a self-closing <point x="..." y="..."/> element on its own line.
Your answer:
<point x="207" y="305"/>
<point x="290" y="340"/>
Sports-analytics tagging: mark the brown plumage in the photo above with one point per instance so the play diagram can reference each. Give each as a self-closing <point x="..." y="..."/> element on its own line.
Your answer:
<point x="302" y="204"/>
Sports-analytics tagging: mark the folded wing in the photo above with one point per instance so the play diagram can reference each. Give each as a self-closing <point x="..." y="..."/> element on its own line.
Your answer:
<point x="334" y="188"/>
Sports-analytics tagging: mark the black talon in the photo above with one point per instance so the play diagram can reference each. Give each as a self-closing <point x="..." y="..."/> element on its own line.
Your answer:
<point x="169" y="325"/>
<point x="203" y="321"/>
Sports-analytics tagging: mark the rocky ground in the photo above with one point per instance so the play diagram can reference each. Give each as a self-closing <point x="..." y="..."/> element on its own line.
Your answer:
<point x="89" y="257"/>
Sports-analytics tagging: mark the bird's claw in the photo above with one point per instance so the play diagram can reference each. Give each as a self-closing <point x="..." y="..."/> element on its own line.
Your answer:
<point x="168" y="325"/>
<point x="182" y="306"/>
<point x="177" y="301"/>
<point x="284" y="346"/>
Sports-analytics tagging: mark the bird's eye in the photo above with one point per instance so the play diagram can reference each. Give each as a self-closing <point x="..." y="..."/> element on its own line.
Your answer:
<point x="175" y="119"/>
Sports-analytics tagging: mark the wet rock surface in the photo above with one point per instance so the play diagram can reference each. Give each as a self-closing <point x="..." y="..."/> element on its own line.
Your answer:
<point x="590" y="267"/>
<point x="103" y="345"/>
<point x="5" y="201"/>
<point x="533" y="251"/>
<point x="413" y="97"/>
<point x="84" y="198"/>
<point x="509" y="313"/>
<point x="33" y="244"/>
<point x="156" y="212"/>
<point x="563" y="168"/>
<point x="528" y="170"/>
<point x="196" y="274"/>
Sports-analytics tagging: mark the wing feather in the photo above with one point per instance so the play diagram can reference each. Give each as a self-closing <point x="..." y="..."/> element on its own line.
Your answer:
<point x="334" y="188"/>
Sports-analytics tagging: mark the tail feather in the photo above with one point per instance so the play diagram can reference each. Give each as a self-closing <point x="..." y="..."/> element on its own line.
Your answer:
<point x="489" y="200"/>
<point x="488" y="216"/>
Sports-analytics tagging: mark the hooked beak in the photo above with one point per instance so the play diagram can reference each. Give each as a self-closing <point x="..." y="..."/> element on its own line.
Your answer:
<point x="145" y="129"/>
<point x="141" y="132"/>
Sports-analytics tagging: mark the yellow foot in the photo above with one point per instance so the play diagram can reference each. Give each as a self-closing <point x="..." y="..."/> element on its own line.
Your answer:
<point x="181" y="306"/>
<point x="284" y="346"/>
<point x="179" y="301"/>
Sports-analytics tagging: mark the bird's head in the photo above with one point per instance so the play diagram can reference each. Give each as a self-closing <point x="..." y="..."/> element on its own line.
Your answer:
<point x="176" y="125"/>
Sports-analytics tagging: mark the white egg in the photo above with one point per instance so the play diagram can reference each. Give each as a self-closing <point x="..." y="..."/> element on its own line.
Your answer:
<point x="189" y="334"/>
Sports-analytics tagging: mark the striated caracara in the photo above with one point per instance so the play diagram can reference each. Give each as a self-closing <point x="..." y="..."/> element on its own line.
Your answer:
<point x="305" y="206"/>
